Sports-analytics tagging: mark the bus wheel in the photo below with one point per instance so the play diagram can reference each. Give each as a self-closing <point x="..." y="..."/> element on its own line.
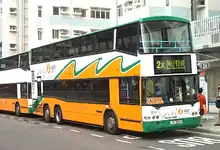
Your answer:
<point x="47" y="117"/>
<point x="58" y="115"/>
<point x="111" y="123"/>
<point x="17" y="110"/>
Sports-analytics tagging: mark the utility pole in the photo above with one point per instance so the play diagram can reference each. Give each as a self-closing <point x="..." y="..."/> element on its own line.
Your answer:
<point x="193" y="10"/>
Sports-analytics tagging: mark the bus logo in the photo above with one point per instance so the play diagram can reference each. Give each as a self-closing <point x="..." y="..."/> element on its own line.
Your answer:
<point x="48" y="68"/>
<point x="180" y="111"/>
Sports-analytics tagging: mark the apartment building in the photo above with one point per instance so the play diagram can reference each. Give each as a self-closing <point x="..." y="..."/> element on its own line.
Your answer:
<point x="31" y="23"/>
<point x="133" y="9"/>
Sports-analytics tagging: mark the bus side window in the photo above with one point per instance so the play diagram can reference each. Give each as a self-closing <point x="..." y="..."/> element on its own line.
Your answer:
<point x="129" y="91"/>
<point x="104" y="40"/>
<point x="127" y="38"/>
<point x="23" y="90"/>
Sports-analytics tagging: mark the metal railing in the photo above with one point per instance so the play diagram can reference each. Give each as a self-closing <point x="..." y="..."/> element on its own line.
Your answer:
<point x="165" y="46"/>
<point x="206" y="32"/>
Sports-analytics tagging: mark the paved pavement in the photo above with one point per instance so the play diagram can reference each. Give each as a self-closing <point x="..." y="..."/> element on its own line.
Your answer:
<point x="33" y="133"/>
<point x="209" y="124"/>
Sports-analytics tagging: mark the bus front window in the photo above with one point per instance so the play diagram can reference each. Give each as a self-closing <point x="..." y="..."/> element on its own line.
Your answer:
<point x="165" y="36"/>
<point x="169" y="90"/>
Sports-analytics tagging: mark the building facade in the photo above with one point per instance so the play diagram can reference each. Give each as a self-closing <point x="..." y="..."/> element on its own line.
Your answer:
<point x="133" y="9"/>
<point x="30" y="23"/>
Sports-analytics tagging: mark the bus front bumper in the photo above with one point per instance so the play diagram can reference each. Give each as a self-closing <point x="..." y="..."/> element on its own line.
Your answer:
<point x="165" y="125"/>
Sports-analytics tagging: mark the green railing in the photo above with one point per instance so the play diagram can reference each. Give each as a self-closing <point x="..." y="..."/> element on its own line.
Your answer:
<point x="165" y="46"/>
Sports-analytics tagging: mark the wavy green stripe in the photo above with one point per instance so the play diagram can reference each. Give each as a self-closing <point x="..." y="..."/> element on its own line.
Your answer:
<point x="76" y="73"/>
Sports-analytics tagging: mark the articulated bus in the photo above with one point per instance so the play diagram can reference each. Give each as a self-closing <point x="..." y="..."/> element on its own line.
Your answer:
<point x="140" y="76"/>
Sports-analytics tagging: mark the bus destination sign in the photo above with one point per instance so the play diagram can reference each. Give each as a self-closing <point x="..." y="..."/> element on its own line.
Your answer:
<point x="168" y="64"/>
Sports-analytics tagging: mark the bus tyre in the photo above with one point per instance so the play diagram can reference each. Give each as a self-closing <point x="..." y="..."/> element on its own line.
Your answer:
<point x="111" y="123"/>
<point x="17" y="110"/>
<point x="47" y="117"/>
<point x="58" y="115"/>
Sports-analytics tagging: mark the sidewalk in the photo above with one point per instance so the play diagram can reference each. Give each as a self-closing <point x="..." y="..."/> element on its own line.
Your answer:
<point x="209" y="124"/>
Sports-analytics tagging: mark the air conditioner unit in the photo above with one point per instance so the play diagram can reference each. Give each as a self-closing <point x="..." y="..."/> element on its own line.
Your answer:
<point x="201" y="4"/>
<point x="128" y="6"/>
<point x="78" y="32"/>
<point x="64" y="33"/>
<point x="77" y="12"/>
<point x="137" y="3"/>
<point x="13" y="11"/>
<point x="13" y="47"/>
<point x="64" y="10"/>
<point x="13" y="28"/>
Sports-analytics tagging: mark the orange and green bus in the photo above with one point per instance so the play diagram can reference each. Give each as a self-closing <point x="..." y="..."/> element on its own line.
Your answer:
<point x="140" y="76"/>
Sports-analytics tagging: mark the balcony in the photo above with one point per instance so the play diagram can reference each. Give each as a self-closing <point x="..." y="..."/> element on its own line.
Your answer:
<point x="206" y="33"/>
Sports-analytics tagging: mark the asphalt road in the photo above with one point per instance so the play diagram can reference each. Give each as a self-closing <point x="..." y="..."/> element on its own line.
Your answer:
<point x="32" y="133"/>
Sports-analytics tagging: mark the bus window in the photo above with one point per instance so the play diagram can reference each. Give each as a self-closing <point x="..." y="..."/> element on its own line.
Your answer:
<point x="129" y="91"/>
<point x="127" y="38"/>
<point x="104" y="40"/>
<point x="24" y="58"/>
<point x="165" y="36"/>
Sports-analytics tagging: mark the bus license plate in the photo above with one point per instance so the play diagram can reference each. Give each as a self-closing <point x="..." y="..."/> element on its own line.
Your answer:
<point x="176" y="122"/>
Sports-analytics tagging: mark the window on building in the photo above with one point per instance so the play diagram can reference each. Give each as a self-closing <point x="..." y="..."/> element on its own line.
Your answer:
<point x="56" y="11"/>
<point x="55" y="34"/>
<point x="39" y="34"/>
<point x="83" y="11"/>
<point x="120" y="10"/>
<point x="39" y="11"/>
<point x="167" y="2"/>
<point x="100" y="13"/>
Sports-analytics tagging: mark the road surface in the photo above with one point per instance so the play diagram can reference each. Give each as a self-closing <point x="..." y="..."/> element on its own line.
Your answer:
<point x="32" y="133"/>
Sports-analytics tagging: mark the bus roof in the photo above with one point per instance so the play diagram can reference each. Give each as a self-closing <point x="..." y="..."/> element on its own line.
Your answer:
<point x="152" y="18"/>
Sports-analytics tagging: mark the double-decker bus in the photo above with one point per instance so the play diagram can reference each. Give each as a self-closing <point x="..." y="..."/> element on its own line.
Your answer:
<point x="140" y="76"/>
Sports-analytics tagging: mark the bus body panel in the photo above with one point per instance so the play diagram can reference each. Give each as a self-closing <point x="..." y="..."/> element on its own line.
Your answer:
<point x="8" y="104"/>
<point x="112" y="64"/>
<point x="170" y="117"/>
<point x="129" y="116"/>
<point x="14" y="76"/>
<point x="23" y="102"/>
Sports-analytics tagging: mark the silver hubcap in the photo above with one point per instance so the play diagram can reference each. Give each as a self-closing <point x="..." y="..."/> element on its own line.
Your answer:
<point x="58" y="116"/>
<point x="111" y="123"/>
<point x="17" y="110"/>
<point x="47" y="113"/>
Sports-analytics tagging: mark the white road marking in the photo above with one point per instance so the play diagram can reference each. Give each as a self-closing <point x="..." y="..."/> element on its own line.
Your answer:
<point x="201" y="133"/>
<point x="131" y="137"/>
<point x="76" y="131"/>
<point x="12" y="117"/>
<point x="20" y="119"/>
<point x="43" y="124"/>
<point x="191" y="141"/>
<point x="151" y="147"/>
<point x="96" y="135"/>
<point x="3" y="115"/>
<point x="123" y="141"/>
<point x="58" y="127"/>
<point x="30" y="121"/>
